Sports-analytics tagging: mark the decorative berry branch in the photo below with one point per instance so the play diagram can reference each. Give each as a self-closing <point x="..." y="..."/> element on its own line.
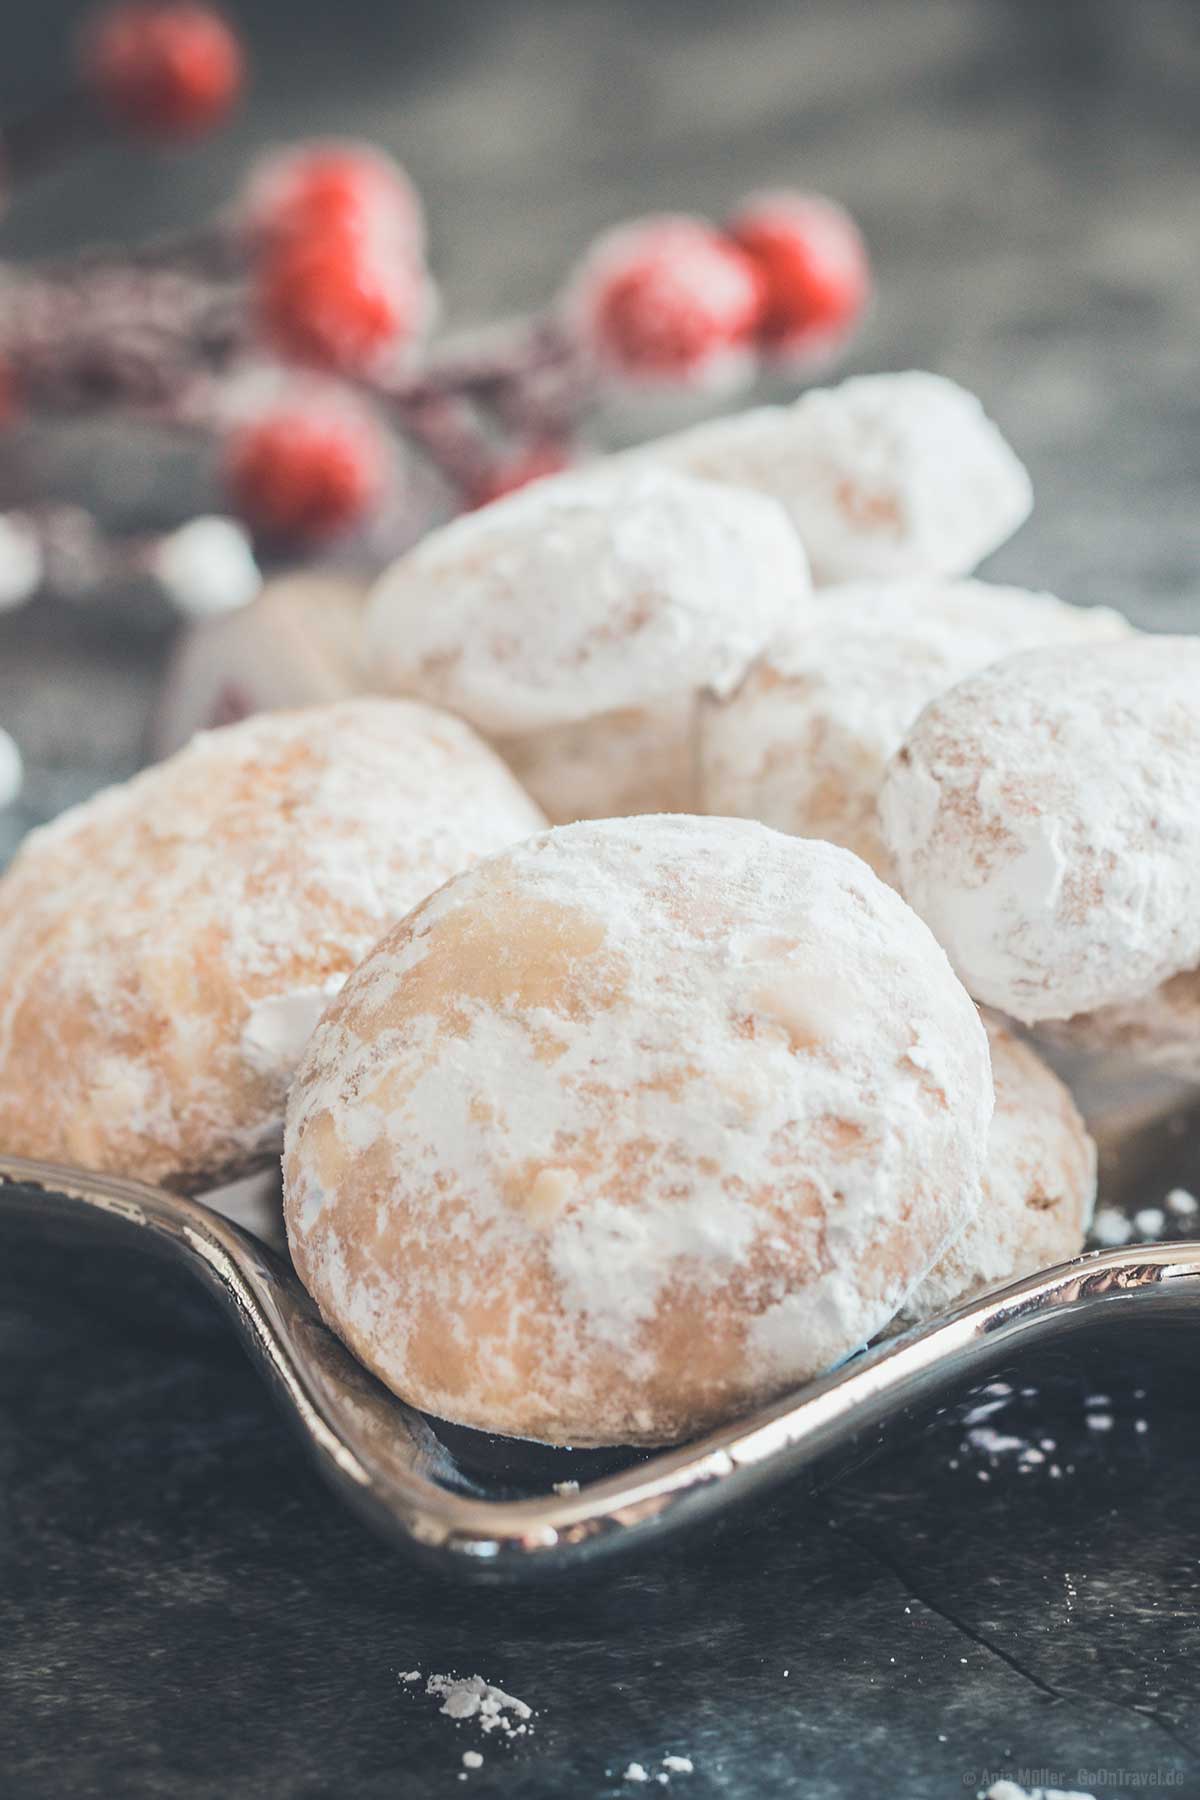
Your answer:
<point x="317" y="271"/>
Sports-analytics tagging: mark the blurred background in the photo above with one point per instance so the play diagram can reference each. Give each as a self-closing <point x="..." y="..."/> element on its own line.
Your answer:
<point x="1025" y="174"/>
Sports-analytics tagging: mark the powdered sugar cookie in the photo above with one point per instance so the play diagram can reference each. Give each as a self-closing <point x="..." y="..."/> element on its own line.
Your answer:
<point x="166" y="948"/>
<point x="640" y="759"/>
<point x="802" y="743"/>
<point x="1039" y="1186"/>
<point x="585" y="593"/>
<point x="1161" y="1030"/>
<point x="884" y="476"/>
<point x="632" y="1126"/>
<point x="1044" y="823"/>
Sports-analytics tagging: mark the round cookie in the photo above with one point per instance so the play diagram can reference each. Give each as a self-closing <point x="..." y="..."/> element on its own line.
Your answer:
<point x="803" y="742"/>
<point x="1159" y="1031"/>
<point x="1039" y="1186"/>
<point x="585" y="593"/>
<point x="883" y="476"/>
<point x="640" y="759"/>
<point x="166" y="947"/>
<point x="1043" y="820"/>
<point x="632" y="1127"/>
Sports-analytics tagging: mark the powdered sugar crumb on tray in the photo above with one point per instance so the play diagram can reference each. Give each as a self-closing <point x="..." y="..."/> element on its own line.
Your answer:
<point x="471" y="1697"/>
<point x="1111" y="1228"/>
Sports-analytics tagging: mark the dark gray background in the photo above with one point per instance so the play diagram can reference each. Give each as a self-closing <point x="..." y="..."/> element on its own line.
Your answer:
<point x="181" y="1609"/>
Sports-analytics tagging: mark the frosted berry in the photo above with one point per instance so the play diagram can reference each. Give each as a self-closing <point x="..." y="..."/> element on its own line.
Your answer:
<point x="163" y="68"/>
<point x="517" y="471"/>
<point x="813" y="264"/>
<point x="337" y="300"/>
<point x="303" y="473"/>
<point x="331" y="186"/>
<point x="667" y="299"/>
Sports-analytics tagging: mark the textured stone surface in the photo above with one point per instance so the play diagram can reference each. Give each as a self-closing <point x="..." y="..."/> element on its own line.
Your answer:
<point x="183" y="1610"/>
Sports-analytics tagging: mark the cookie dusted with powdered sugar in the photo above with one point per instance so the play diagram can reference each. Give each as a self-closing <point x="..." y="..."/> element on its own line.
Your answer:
<point x="883" y="476"/>
<point x="1159" y="1031"/>
<point x="632" y="1126"/>
<point x="1039" y="1185"/>
<point x="1043" y="820"/>
<point x="166" y="948"/>
<point x="803" y="742"/>
<point x="584" y="593"/>
<point x="639" y="759"/>
<point x="575" y="622"/>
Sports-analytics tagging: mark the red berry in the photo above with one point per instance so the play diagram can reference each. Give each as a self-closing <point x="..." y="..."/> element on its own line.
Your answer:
<point x="326" y="185"/>
<point x="163" y="68"/>
<point x="667" y="299"/>
<point x="813" y="264"/>
<point x="336" y="300"/>
<point x="518" y="471"/>
<point x="302" y="472"/>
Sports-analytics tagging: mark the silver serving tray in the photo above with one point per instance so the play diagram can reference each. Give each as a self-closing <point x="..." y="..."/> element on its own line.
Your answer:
<point x="497" y="1508"/>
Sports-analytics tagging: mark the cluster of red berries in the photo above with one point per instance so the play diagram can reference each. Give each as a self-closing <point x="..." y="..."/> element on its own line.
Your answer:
<point x="332" y="238"/>
<point x="676" y="299"/>
<point x="661" y="300"/>
<point x="335" y="236"/>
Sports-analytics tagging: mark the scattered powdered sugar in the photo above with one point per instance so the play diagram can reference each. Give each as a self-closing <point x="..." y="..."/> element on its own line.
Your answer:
<point x="671" y="1765"/>
<point x="1111" y="1228"/>
<point x="471" y="1697"/>
<point x="472" y="1759"/>
<point x="1003" y="1431"/>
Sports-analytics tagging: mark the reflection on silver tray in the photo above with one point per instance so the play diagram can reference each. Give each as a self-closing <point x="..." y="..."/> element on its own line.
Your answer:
<point x="497" y="1508"/>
